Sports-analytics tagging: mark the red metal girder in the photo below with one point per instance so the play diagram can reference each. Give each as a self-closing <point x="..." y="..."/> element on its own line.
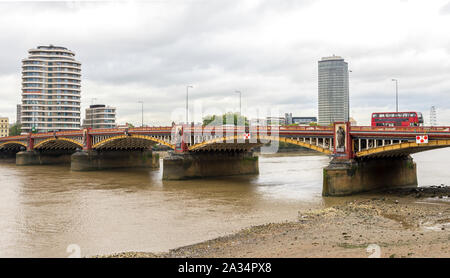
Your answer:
<point x="397" y="135"/>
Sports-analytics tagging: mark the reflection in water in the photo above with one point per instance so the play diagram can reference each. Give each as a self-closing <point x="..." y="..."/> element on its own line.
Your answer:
<point x="43" y="209"/>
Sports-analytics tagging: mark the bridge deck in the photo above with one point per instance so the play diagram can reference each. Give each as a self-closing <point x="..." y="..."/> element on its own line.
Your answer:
<point x="366" y="141"/>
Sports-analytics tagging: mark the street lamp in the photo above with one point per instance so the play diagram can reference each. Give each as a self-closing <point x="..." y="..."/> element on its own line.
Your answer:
<point x="348" y="110"/>
<point x="240" y="98"/>
<point x="92" y="113"/>
<point x="396" y="93"/>
<point x="187" y="102"/>
<point x="142" y="112"/>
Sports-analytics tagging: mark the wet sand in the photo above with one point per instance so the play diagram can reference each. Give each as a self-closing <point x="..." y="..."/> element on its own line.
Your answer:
<point x="402" y="223"/>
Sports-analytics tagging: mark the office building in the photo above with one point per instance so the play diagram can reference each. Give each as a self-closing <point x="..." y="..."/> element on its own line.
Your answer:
<point x="19" y="114"/>
<point x="304" y="120"/>
<point x="100" y="116"/>
<point x="289" y="120"/>
<point x="4" y="127"/>
<point x="276" y="120"/>
<point x="258" y="122"/>
<point x="333" y="90"/>
<point x="51" y="89"/>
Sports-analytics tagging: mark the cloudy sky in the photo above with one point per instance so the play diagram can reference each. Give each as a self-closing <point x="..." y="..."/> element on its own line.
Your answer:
<point x="268" y="50"/>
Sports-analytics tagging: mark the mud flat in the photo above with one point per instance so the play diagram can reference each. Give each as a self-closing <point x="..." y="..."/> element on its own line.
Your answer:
<point x="402" y="223"/>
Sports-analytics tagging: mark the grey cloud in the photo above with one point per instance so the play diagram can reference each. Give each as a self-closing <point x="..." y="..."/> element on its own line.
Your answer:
<point x="153" y="52"/>
<point x="445" y="9"/>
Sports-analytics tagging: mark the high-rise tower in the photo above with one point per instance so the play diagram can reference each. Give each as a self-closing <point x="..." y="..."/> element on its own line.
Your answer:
<point x="51" y="89"/>
<point x="433" y="116"/>
<point x="333" y="90"/>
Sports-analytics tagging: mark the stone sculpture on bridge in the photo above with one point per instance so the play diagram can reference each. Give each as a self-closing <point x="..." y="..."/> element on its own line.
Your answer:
<point x="341" y="138"/>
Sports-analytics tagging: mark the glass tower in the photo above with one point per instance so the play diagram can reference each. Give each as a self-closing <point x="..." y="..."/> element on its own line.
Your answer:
<point x="333" y="90"/>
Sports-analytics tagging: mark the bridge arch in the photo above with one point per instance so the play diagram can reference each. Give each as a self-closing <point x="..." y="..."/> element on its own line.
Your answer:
<point x="248" y="144"/>
<point x="403" y="149"/>
<point x="12" y="145"/>
<point x="129" y="142"/>
<point x="58" y="143"/>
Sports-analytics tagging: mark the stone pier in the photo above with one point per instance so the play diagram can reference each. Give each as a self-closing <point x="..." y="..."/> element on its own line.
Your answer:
<point x="43" y="158"/>
<point x="8" y="156"/>
<point x="346" y="177"/>
<point x="200" y="165"/>
<point x="102" y="160"/>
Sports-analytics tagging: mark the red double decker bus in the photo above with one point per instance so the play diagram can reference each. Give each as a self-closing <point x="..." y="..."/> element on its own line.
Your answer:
<point x="397" y="119"/>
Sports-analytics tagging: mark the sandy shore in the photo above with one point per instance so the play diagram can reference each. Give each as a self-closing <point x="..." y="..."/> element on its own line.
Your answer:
<point x="403" y="223"/>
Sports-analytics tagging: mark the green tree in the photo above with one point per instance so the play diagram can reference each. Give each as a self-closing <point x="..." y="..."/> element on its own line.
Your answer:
<point x="15" y="129"/>
<point x="228" y="118"/>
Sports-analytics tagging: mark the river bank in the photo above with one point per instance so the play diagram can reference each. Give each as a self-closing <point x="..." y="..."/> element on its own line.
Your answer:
<point x="402" y="223"/>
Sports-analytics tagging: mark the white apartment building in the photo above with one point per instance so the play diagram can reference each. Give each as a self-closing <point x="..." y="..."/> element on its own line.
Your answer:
<point x="100" y="116"/>
<point x="51" y="89"/>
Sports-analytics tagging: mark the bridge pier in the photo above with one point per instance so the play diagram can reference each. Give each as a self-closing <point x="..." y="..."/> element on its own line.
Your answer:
<point x="43" y="158"/>
<point x="102" y="160"/>
<point x="8" y="156"/>
<point x="213" y="164"/>
<point x="345" y="177"/>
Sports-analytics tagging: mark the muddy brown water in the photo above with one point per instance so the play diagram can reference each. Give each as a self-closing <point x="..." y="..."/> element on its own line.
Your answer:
<point x="44" y="209"/>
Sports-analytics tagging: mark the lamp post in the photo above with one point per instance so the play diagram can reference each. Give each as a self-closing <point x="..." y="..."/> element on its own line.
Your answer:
<point x="187" y="102"/>
<point x="92" y="113"/>
<point x="348" y="111"/>
<point x="396" y="93"/>
<point x="240" y="98"/>
<point x="142" y="112"/>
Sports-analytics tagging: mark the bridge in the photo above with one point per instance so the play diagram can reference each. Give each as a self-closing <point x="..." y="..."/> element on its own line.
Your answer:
<point x="363" y="158"/>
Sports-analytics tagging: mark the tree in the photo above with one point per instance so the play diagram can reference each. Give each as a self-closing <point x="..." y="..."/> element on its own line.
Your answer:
<point x="228" y="118"/>
<point x="15" y="129"/>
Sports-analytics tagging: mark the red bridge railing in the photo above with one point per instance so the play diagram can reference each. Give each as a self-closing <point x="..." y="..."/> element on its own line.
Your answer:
<point x="231" y="129"/>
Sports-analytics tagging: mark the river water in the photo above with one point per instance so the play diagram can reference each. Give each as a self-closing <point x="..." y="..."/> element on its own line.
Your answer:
<point x="44" y="209"/>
